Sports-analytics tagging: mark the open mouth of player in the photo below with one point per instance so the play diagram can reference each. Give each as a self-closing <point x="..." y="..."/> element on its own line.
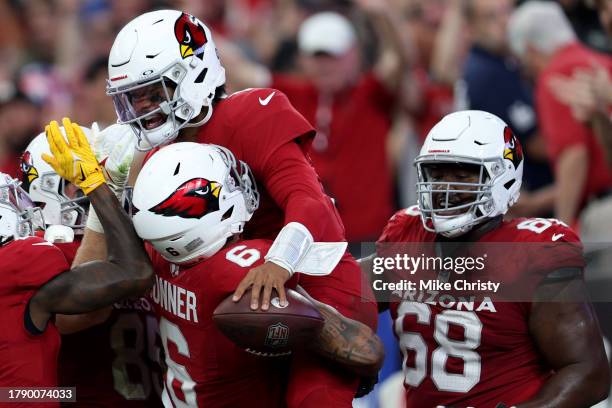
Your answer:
<point x="153" y="121"/>
<point x="450" y="210"/>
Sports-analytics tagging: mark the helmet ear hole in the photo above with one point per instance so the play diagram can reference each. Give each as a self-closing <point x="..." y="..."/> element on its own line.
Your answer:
<point x="509" y="184"/>
<point x="201" y="76"/>
<point x="228" y="213"/>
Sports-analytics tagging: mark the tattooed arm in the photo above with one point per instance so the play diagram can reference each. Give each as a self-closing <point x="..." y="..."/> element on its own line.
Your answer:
<point x="90" y="286"/>
<point x="347" y="342"/>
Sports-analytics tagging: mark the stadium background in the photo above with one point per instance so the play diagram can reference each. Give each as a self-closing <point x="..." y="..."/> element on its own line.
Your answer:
<point x="53" y="64"/>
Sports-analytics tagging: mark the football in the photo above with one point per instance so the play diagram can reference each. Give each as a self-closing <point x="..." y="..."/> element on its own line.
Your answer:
<point x="272" y="333"/>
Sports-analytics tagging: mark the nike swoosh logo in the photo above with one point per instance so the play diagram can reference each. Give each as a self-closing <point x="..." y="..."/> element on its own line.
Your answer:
<point x="43" y="244"/>
<point x="264" y="102"/>
<point x="555" y="237"/>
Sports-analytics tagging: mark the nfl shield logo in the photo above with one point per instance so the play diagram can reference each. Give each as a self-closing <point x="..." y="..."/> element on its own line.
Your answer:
<point x="278" y="336"/>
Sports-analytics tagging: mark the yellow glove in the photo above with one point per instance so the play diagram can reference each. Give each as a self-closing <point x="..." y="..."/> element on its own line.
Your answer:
<point x="74" y="161"/>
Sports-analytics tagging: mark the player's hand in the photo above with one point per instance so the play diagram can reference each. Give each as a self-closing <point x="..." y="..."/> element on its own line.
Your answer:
<point x="114" y="148"/>
<point x="267" y="277"/>
<point x="73" y="160"/>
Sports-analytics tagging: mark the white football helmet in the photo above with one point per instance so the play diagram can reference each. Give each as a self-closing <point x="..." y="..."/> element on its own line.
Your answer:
<point x="19" y="216"/>
<point x="189" y="198"/>
<point x="474" y="138"/>
<point x="169" y="56"/>
<point x="61" y="202"/>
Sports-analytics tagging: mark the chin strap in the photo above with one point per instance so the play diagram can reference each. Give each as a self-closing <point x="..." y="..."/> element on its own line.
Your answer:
<point x="294" y="249"/>
<point x="205" y="119"/>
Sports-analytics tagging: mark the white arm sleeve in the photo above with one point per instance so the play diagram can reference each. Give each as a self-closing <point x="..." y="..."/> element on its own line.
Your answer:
<point x="295" y="250"/>
<point x="93" y="222"/>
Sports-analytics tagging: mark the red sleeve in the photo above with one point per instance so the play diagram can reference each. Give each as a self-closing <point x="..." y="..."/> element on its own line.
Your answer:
<point x="294" y="186"/>
<point x="557" y="247"/>
<point x="397" y="223"/>
<point x="269" y="122"/>
<point x="559" y="128"/>
<point x="69" y="249"/>
<point x="41" y="262"/>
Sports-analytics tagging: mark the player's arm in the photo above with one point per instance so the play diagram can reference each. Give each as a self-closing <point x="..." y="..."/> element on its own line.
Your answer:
<point x="116" y="149"/>
<point x="92" y="248"/>
<point x="565" y="329"/>
<point x="293" y="185"/>
<point x="347" y="342"/>
<point x="93" y="245"/>
<point x="127" y="271"/>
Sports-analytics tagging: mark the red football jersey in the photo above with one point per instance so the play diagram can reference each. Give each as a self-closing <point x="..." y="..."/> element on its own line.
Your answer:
<point x="262" y="129"/>
<point x="255" y="124"/>
<point x="478" y="353"/>
<point x="27" y="360"/>
<point x="204" y="367"/>
<point x="116" y="363"/>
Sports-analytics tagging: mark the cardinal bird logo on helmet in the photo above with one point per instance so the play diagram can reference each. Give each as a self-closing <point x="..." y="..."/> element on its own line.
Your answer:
<point x="193" y="199"/>
<point x="190" y="35"/>
<point x="27" y="169"/>
<point x="512" y="147"/>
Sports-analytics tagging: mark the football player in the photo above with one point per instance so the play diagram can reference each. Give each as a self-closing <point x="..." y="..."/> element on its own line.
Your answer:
<point x="120" y="372"/>
<point x="167" y="83"/>
<point x="199" y="198"/>
<point x="540" y="349"/>
<point x="38" y="282"/>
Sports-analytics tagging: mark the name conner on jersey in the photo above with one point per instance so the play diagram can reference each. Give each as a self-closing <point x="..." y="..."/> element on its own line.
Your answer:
<point x="175" y="299"/>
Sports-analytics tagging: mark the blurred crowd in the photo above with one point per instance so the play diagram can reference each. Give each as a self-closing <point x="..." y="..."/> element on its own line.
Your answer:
<point x="373" y="76"/>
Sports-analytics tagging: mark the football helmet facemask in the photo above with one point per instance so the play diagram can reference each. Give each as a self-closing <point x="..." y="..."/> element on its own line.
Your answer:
<point x="163" y="70"/>
<point x="19" y="216"/>
<point x="480" y="144"/>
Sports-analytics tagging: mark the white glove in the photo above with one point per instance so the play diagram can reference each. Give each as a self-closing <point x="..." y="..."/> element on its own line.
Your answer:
<point x="114" y="148"/>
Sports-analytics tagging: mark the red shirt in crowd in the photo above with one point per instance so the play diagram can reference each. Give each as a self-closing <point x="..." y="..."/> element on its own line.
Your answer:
<point x="559" y="127"/>
<point x="349" y="151"/>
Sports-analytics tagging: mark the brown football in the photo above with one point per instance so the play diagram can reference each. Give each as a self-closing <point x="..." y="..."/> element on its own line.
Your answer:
<point x="271" y="333"/>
